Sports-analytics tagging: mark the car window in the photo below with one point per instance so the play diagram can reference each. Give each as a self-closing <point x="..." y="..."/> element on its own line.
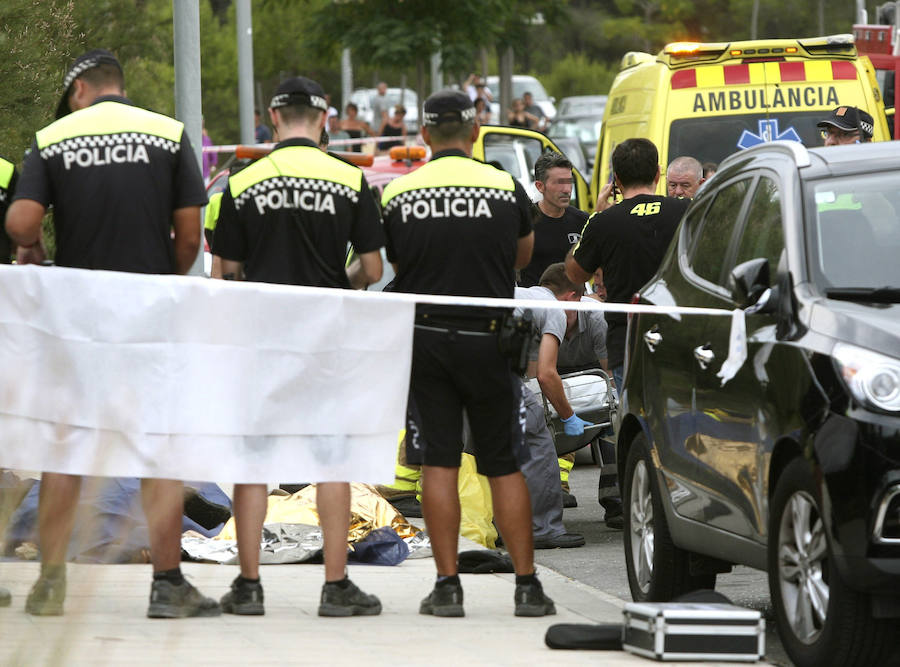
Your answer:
<point x="716" y="231"/>
<point x="763" y="235"/>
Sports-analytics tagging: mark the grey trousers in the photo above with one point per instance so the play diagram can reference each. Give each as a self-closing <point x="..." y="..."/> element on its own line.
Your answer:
<point x="541" y="471"/>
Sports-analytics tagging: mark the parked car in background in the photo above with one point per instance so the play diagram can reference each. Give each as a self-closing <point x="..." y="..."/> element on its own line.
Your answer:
<point x="521" y="84"/>
<point x="790" y="463"/>
<point x="362" y="98"/>
<point x="582" y="105"/>
<point x="583" y="129"/>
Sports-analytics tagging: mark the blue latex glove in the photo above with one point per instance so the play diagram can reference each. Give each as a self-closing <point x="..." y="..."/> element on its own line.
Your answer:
<point x="574" y="425"/>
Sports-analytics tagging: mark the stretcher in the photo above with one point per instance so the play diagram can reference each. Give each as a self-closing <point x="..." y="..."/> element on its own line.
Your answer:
<point x="592" y="397"/>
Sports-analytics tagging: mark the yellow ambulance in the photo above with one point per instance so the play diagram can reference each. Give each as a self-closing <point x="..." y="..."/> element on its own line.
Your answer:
<point x="711" y="100"/>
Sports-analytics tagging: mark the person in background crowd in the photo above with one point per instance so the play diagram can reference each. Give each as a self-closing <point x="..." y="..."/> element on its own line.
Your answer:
<point x="209" y="158"/>
<point x="709" y="168"/>
<point x="598" y="288"/>
<point x="536" y="111"/>
<point x="157" y="188"/>
<point x="8" y="177"/>
<point x="476" y="87"/>
<point x="262" y="133"/>
<point x="354" y="126"/>
<point x="380" y="105"/>
<point x="683" y="177"/>
<point x="847" y="125"/>
<point x="302" y="245"/>
<point x="393" y="127"/>
<point x="627" y="240"/>
<point x="482" y="112"/>
<point x="557" y="224"/>
<point x="457" y="365"/>
<point x="518" y="117"/>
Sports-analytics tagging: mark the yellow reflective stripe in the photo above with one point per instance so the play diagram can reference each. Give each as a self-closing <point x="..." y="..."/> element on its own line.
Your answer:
<point x="211" y="217"/>
<point x="297" y="162"/>
<point x="710" y="76"/>
<point x="758" y="73"/>
<point x="450" y="171"/>
<point x="110" y="118"/>
<point x="819" y="70"/>
<point x="773" y="72"/>
<point x="6" y="172"/>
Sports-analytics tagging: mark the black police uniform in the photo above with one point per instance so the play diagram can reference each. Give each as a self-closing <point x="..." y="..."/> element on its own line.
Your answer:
<point x="289" y="216"/>
<point x="114" y="174"/>
<point x="8" y="178"/>
<point x="553" y="237"/>
<point x="628" y="241"/>
<point x="452" y="228"/>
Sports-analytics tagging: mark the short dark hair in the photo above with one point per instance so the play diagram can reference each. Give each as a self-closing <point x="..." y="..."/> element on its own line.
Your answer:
<point x="104" y="75"/>
<point x="547" y="161"/>
<point x="635" y="162"/>
<point x="299" y="112"/>
<point x="555" y="279"/>
<point x="351" y="105"/>
<point x="450" y="131"/>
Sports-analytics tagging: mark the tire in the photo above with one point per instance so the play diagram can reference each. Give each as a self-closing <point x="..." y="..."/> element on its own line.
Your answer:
<point x="658" y="571"/>
<point x="820" y="620"/>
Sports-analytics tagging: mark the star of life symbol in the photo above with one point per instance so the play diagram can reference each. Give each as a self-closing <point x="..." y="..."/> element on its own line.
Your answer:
<point x="768" y="131"/>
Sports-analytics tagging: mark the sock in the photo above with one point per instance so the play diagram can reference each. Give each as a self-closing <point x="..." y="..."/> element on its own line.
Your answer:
<point x="340" y="583"/>
<point x="53" y="571"/>
<point x="173" y="576"/>
<point x="450" y="580"/>
<point x="244" y="580"/>
<point x="527" y="579"/>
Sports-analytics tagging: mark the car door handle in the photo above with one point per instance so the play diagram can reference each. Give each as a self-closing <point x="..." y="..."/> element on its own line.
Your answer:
<point x="704" y="356"/>
<point x="652" y="338"/>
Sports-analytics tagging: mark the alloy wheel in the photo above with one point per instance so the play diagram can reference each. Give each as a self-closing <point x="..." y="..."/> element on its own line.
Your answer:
<point x="641" y="525"/>
<point x="803" y="567"/>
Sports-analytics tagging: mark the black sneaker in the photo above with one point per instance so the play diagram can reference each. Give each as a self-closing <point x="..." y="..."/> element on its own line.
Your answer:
<point x="408" y="506"/>
<point x="569" y="500"/>
<point x="446" y="600"/>
<point x="245" y="598"/>
<point x="168" y="600"/>
<point x="349" y="601"/>
<point x="46" y="597"/>
<point x="5" y="597"/>
<point x="531" y="601"/>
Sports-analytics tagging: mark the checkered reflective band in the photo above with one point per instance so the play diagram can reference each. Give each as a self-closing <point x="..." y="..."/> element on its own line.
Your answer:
<point x="285" y="99"/>
<point x="447" y="202"/>
<point x="308" y="194"/>
<point x="868" y="128"/>
<point x="432" y="118"/>
<point x="78" y="70"/>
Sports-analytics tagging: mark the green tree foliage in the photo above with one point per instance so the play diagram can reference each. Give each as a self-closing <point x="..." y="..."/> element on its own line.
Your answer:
<point x="576" y="74"/>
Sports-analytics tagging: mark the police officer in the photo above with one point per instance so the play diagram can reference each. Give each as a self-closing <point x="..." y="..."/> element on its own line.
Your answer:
<point x="120" y="179"/>
<point x="459" y="227"/>
<point x="287" y="219"/>
<point x="847" y="125"/>
<point x="7" y="188"/>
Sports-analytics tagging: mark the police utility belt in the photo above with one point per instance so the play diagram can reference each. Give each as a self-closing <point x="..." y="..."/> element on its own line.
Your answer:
<point x="514" y="333"/>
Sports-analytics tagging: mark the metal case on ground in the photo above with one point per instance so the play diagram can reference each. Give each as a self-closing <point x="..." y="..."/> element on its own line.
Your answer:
<point x="694" y="631"/>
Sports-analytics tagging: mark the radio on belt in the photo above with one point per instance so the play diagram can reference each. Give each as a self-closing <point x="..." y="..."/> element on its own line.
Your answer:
<point x="694" y="631"/>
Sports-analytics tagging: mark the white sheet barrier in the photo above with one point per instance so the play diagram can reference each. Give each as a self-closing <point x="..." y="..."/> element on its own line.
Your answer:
<point x="133" y="375"/>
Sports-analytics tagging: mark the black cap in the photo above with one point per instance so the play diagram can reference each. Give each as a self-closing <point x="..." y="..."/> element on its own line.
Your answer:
<point x="850" y="119"/>
<point x="82" y="64"/>
<point x="299" y="90"/>
<point x="448" y="105"/>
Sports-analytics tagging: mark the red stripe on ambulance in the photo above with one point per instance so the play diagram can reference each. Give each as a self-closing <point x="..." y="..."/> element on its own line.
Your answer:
<point x="792" y="71"/>
<point x="685" y="78"/>
<point x="736" y="74"/>
<point x="842" y="70"/>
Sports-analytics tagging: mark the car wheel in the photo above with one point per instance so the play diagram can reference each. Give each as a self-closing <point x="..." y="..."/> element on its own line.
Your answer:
<point x="657" y="569"/>
<point x="820" y="620"/>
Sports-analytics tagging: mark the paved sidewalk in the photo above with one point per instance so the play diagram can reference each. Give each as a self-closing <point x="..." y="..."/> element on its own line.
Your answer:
<point x="105" y="622"/>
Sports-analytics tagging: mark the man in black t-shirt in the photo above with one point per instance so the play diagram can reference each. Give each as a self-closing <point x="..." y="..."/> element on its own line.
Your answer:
<point x="557" y="225"/>
<point x="456" y="226"/>
<point x="121" y="180"/>
<point x="287" y="219"/>
<point x="628" y="240"/>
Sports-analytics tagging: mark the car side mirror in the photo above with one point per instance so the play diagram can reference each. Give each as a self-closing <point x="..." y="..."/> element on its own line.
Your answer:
<point x="748" y="281"/>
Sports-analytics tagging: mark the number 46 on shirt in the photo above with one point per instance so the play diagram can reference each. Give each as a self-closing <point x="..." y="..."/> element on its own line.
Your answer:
<point x="645" y="208"/>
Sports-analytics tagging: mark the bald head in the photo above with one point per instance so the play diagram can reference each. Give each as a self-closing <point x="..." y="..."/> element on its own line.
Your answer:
<point x="683" y="177"/>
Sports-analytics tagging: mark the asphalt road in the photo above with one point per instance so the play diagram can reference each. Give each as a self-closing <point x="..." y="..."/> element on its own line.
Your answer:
<point x="601" y="562"/>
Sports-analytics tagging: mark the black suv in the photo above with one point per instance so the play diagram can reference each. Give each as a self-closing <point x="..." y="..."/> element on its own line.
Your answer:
<point x="793" y="465"/>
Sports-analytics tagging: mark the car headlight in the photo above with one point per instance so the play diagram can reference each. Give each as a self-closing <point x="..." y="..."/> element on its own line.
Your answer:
<point x="872" y="378"/>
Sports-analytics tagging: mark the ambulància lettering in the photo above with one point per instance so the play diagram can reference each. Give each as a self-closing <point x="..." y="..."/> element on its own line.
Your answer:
<point x="101" y="155"/>
<point x="755" y="98"/>
<point x="459" y="207"/>
<point x="308" y="200"/>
